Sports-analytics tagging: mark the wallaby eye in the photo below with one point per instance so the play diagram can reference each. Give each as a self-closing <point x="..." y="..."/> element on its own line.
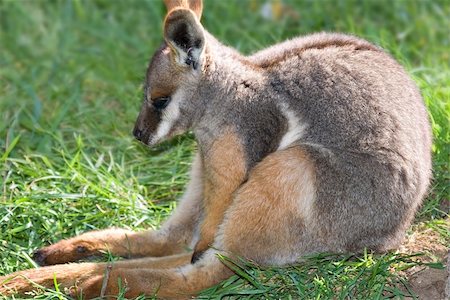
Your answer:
<point x="161" y="103"/>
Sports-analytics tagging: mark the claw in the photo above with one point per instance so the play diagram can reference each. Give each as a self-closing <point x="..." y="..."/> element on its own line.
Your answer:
<point x="39" y="257"/>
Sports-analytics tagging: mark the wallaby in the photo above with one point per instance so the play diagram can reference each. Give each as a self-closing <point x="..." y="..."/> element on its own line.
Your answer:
<point x="320" y="143"/>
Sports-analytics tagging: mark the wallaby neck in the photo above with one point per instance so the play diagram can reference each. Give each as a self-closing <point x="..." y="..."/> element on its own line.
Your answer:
<point x="231" y="84"/>
<point x="229" y="72"/>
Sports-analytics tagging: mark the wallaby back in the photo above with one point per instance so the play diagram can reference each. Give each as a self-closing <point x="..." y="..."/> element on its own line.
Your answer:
<point x="367" y="131"/>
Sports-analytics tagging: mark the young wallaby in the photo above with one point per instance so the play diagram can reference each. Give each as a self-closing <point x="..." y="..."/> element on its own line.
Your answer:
<point x="320" y="143"/>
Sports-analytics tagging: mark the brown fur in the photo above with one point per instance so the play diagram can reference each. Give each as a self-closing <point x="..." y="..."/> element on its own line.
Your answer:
<point x="122" y="242"/>
<point x="224" y="171"/>
<point x="266" y="219"/>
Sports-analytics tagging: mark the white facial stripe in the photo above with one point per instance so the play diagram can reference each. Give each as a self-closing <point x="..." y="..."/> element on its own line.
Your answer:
<point x="295" y="131"/>
<point x="169" y="116"/>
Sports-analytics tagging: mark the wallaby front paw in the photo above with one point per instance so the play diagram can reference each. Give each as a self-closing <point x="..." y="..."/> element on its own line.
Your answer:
<point x="63" y="252"/>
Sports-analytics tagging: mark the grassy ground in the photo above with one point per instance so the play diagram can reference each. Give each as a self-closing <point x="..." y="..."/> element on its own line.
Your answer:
<point x="70" y="90"/>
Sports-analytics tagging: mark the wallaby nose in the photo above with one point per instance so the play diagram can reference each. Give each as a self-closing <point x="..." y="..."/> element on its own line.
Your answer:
<point x="137" y="134"/>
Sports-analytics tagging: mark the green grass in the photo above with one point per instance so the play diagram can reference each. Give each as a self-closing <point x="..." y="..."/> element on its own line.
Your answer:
<point x="71" y="77"/>
<point x="323" y="276"/>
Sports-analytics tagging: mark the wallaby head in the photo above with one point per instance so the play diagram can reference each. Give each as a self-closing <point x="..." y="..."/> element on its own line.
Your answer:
<point x="173" y="74"/>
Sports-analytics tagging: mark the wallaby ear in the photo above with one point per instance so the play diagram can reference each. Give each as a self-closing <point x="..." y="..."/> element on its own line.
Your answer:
<point x="185" y="36"/>
<point x="195" y="5"/>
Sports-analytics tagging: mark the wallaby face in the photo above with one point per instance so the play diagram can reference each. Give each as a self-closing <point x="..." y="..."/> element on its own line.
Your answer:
<point x="170" y="88"/>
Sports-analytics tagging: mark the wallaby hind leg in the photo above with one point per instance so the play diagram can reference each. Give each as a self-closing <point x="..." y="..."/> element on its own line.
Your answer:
<point x="175" y="236"/>
<point x="265" y="223"/>
<point x="70" y="275"/>
<point x="169" y="276"/>
<point x="174" y="283"/>
<point x="270" y="219"/>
